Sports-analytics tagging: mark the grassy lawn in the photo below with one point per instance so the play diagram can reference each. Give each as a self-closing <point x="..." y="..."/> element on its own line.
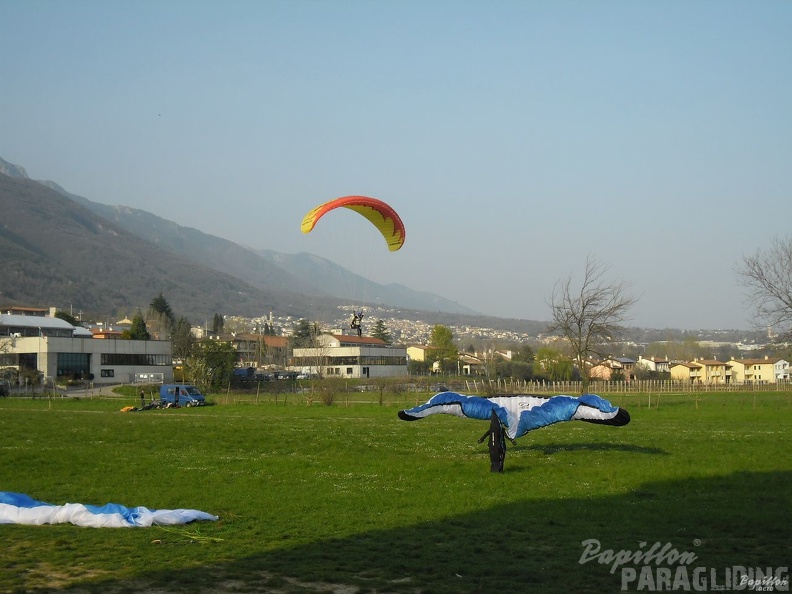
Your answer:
<point x="347" y="498"/>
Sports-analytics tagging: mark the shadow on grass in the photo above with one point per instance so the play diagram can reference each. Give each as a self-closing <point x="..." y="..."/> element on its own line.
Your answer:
<point x="548" y="449"/>
<point x="533" y="545"/>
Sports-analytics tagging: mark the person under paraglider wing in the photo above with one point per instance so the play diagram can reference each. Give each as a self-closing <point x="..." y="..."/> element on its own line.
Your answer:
<point x="513" y="416"/>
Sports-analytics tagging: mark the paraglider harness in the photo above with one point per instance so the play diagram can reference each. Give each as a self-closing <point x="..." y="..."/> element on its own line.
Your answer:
<point x="497" y="443"/>
<point x="357" y="317"/>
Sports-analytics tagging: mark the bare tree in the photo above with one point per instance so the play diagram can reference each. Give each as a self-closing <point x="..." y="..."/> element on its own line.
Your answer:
<point x="768" y="276"/>
<point x="307" y="335"/>
<point x="590" y="316"/>
<point x="9" y="368"/>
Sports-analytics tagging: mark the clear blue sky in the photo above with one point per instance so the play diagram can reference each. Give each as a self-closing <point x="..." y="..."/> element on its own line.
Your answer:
<point x="515" y="138"/>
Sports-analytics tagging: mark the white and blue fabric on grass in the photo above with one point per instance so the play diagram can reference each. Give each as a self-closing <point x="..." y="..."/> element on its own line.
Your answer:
<point x="17" y="508"/>
<point x="522" y="413"/>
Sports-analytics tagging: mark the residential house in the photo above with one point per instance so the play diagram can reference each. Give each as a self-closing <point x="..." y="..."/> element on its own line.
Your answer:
<point x="417" y="352"/>
<point x="689" y="372"/>
<point x="714" y="372"/>
<point x="702" y="371"/>
<point x="471" y="365"/>
<point x="781" y="370"/>
<point x="106" y="333"/>
<point x="654" y="364"/>
<point x="20" y="310"/>
<point x="260" y="350"/>
<point x="606" y="369"/>
<point x="767" y="370"/>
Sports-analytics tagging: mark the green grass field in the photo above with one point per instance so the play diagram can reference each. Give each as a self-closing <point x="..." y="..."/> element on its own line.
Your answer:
<point x="347" y="498"/>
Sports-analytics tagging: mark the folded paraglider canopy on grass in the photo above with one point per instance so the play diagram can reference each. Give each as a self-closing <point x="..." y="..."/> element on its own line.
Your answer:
<point x="17" y="508"/>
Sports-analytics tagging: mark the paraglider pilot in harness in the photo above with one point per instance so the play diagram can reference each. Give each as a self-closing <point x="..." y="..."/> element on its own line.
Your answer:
<point x="497" y="443"/>
<point x="354" y="324"/>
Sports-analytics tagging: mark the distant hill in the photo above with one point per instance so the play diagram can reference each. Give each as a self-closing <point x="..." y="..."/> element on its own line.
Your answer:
<point x="340" y="282"/>
<point x="57" y="252"/>
<point x="209" y="250"/>
<point x="311" y="284"/>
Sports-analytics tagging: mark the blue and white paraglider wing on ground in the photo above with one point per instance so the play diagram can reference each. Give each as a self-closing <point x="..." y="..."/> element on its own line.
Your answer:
<point x="522" y="413"/>
<point x="17" y="508"/>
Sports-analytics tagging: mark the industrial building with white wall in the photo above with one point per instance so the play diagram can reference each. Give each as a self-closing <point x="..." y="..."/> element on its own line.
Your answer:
<point x="61" y="351"/>
<point x="341" y="355"/>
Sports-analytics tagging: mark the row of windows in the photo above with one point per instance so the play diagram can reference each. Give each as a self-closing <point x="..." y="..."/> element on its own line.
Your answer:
<point x="80" y="361"/>
<point x="380" y="360"/>
<point x="383" y="360"/>
<point x="134" y="359"/>
<point x="28" y="331"/>
<point x="78" y="364"/>
<point x="337" y="371"/>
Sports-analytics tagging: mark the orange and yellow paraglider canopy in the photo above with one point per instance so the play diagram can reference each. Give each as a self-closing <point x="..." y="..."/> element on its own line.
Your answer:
<point x="381" y="215"/>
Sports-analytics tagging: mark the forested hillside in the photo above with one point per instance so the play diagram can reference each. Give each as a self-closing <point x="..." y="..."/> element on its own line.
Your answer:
<point x="56" y="253"/>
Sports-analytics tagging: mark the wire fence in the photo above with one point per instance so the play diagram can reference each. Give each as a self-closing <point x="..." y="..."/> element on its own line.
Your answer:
<point x="483" y="386"/>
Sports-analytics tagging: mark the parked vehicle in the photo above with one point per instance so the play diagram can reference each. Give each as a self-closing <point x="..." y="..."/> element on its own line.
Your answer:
<point x="182" y="395"/>
<point x="244" y="374"/>
<point x="284" y="375"/>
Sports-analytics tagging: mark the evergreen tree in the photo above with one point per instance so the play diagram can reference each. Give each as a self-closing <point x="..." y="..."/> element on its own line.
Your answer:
<point x="138" y="331"/>
<point x="217" y="324"/>
<point x="305" y="334"/>
<point x="525" y="354"/>
<point x="380" y="330"/>
<point x="67" y="317"/>
<point x="161" y="306"/>
<point x="160" y="318"/>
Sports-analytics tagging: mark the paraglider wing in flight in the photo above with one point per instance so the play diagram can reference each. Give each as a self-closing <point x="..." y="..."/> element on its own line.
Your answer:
<point x="522" y="413"/>
<point x="381" y="215"/>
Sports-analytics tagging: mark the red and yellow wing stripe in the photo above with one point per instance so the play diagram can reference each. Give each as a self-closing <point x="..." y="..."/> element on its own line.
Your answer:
<point x="381" y="215"/>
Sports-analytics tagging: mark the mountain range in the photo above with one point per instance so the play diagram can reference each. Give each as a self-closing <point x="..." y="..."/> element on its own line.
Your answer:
<point x="64" y="250"/>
